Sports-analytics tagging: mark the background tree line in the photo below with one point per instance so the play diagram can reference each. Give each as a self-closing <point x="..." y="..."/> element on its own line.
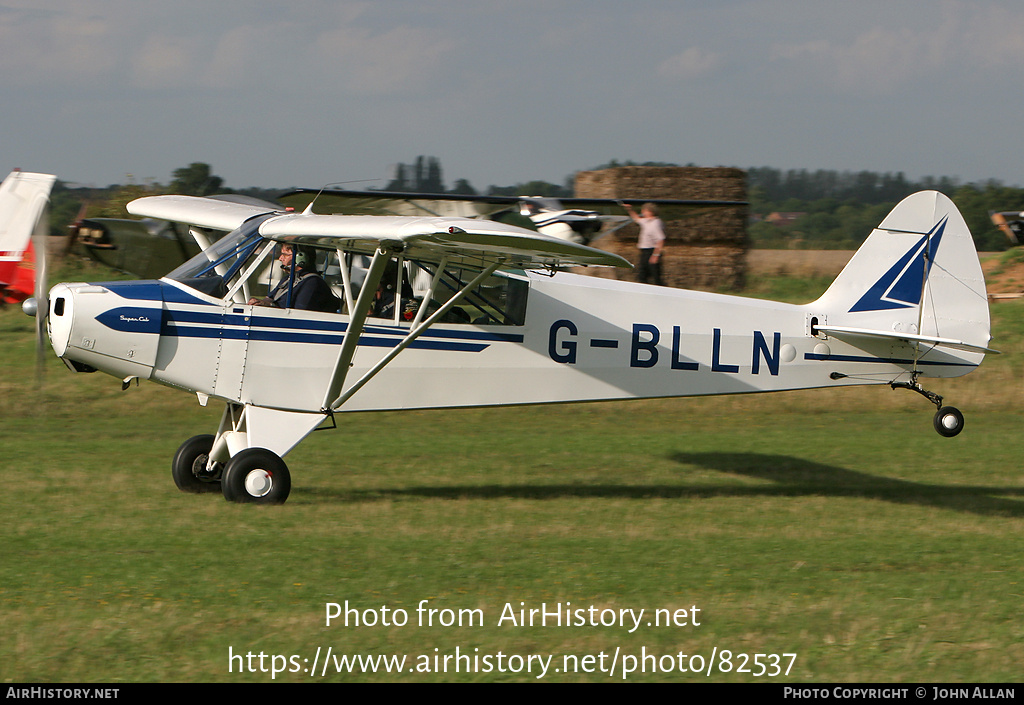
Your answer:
<point x="837" y="210"/>
<point x="832" y="209"/>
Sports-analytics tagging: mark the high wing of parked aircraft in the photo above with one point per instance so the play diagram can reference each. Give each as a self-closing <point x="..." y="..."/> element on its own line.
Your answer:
<point x="495" y="320"/>
<point x="149" y="248"/>
<point x="581" y="220"/>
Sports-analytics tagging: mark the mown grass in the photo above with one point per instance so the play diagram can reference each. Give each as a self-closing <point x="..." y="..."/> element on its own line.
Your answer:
<point x="784" y="287"/>
<point x="1007" y="259"/>
<point x="832" y="524"/>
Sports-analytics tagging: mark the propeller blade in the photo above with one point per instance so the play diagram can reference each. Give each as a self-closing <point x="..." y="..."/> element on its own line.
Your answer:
<point x="40" y="238"/>
<point x="1000" y="221"/>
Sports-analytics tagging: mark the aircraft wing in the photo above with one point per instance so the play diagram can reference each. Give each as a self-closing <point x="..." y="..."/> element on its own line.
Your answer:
<point x="333" y="201"/>
<point x="844" y="332"/>
<point x="211" y="213"/>
<point x="340" y="202"/>
<point x="467" y="241"/>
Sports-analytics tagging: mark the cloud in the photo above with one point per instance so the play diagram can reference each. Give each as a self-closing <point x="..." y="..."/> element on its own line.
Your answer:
<point x="235" y="55"/>
<point x="93" y="45"/>
<point x="166" y="62"/>
<point x="996" y="38"/>
<point x="691" y="63"/>
<point x="876" y="61"/>
<point x="43" y="46"/>
<point x="884" y="59"/>
<point x="392" y="61"/>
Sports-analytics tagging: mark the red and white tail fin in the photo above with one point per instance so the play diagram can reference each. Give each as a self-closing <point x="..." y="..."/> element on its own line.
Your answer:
<point x="23" y="199"/>
<point x="22" y="282"/>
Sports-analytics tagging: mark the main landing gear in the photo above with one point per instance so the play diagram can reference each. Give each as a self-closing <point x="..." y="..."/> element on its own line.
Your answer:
<point x="254" y="475"/>
<point x="191" y="466"/>
<point x="948" y="420"/>
<point x="243" y="460"/>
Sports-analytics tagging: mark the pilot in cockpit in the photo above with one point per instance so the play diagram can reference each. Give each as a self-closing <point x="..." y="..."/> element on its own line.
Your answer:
<point x="307" y="288"/>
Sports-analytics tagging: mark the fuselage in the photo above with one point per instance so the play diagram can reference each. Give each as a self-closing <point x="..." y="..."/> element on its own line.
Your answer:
<point x="582" y="339"/>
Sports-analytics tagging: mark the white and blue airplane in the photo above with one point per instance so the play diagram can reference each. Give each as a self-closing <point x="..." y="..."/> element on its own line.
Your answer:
<point x="498" y="323"/>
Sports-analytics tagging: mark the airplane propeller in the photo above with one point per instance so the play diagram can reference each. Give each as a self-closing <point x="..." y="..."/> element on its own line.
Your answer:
<point x="1009" y="223"/>
<point x="39" y="305"/>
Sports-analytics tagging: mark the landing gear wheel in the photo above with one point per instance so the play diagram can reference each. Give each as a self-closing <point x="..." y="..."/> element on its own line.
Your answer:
<point x="949" y="421"/>
<point x="256" y="475"/>
<point x="189" y="466"/>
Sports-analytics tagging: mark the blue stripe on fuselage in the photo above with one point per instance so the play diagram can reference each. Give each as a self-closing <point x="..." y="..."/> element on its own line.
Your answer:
<point x="238" y="326"/>
<point x="150" y="290"/>
<point x="298" y="336"/>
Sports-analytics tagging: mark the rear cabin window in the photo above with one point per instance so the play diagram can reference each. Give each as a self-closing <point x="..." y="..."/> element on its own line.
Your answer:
<point x="499" y="301"/>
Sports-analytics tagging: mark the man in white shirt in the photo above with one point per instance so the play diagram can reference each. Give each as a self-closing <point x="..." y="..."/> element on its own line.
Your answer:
<point x="650" y="242"/>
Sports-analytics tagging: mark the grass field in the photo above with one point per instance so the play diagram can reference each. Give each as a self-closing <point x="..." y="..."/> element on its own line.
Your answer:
<point x="834" y="525"/>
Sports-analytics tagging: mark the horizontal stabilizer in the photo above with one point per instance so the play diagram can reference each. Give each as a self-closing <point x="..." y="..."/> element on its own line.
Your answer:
<point x="844" y="332"/>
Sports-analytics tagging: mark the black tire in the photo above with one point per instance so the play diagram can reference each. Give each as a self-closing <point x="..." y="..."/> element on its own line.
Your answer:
<point x="189" y="466"/>
<point x="256" y="475"/>
<point x="949" y="421"/>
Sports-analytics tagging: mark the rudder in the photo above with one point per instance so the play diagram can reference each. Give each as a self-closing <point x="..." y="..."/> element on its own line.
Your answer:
<point x="918" y="272"/>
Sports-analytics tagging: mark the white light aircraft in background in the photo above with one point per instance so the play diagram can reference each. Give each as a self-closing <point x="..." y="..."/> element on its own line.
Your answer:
<point x="148" y="248"/>
<point x="497" y="324"/>
<point x="581" y="220"/>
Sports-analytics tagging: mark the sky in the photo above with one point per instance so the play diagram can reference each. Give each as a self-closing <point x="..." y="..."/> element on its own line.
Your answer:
<point x="311" y="92"/>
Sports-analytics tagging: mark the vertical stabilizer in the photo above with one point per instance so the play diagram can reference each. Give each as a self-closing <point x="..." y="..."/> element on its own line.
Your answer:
<point x="23" y="198"/>
<point x="918" y="272"/>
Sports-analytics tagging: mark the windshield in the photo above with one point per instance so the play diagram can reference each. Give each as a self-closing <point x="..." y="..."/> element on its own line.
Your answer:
<point x="212" y="271"/>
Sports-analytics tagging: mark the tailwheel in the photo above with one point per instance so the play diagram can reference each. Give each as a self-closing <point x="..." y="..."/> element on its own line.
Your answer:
<point x="949" y="421"/>
<point x="256" y="475"/>
<point x="189" y="467"/>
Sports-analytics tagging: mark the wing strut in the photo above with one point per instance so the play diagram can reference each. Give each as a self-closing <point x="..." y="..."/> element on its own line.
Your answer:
<point x="346" y="279"/>
<point x="357" y="322"/>
<point x="243" y="279"/>
<point x="200" y="237"/>
<point x="221" y="267"/>
<point x="414" y="333"/>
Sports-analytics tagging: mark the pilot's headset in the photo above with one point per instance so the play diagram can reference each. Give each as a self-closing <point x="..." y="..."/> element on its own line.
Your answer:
<point x="305" y="258"/>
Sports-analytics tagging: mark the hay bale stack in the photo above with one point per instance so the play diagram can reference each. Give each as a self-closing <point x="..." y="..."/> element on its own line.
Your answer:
<point x="705" y="248"/>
